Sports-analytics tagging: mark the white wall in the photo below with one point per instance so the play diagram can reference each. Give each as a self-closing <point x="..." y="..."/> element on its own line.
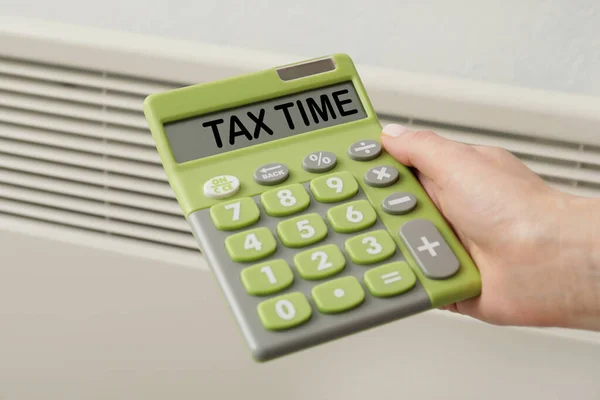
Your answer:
<point x="551" y="44"/>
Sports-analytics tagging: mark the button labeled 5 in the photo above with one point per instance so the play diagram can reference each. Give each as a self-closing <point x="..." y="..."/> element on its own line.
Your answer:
<point x="352" y="217"/>
<point x="250" y="245"/>
<point x="267" y="278"/>
<point x="334" y="187"/>
<point x="302" y="231"/>
<point x="320" y="262"/>
<point x="286" y="200"/>
<point x="284" y="312"/>
<point x="235" y="214"/>
<point x="371" y="247"/>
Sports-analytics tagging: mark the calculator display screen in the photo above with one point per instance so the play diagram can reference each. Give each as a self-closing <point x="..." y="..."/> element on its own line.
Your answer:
<point x="262" y="122"/>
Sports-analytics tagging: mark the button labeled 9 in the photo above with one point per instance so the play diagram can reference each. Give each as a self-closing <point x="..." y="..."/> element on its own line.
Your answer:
<point x="334" y="187"/>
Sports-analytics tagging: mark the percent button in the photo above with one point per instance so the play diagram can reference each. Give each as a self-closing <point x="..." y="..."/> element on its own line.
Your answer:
<point x="319" y="161"/>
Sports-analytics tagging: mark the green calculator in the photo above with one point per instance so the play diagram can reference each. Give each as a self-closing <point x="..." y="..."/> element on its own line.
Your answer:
<point x="311" y="229"/>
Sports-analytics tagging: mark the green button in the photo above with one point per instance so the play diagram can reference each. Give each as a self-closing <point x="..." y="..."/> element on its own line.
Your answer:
<point x="334" y="187"/>
<point x="338" y="295"/>
<point x="390" y="279"/>
<point x="235" y="214"/>
<point x="250" y="245"/>
<point x="320" y="262"/>
<point x="371" y="247"/>
<point x="302" y="231"/>
<point x="285" y="200"/>
<point x="267" y="278"/>
<point x="352" y="217"/>
<point x="284" y="312"/>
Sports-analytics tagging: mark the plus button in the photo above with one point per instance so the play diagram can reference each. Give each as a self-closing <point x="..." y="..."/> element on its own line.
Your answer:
<point x="430" y="247"/>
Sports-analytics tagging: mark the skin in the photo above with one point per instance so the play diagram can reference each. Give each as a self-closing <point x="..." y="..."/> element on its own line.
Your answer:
<point x="537" y="249"/>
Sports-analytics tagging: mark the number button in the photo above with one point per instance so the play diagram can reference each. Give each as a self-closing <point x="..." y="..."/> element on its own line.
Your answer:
<point x="267" y="278"/>
<point x="370" y="247"/>
<point x="390" y="279"/>
<point x="352" y="217"/>
<point x="250" y="245"/>
<point x="286" y="200"/>
<point x="320" y="262"/>
<point x="334" y="187"/>
<point x="235" y="214"/>
<point x="338" y="295"/>
<point x="284" y="312"/>
<point x="302" y="231"/>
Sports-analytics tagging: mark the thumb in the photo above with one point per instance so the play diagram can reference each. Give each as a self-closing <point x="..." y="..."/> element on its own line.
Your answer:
<point x="429" y="153"/>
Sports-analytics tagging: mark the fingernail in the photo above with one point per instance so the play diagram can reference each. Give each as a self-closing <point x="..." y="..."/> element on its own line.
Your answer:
<point x="394" y="130"/>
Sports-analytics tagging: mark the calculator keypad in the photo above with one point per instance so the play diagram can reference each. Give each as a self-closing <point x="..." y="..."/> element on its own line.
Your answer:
<point x="235" y="214"/>
<point x="352" y="217"/>
<point x="251" y="245"/>
<point x="285" y="200"/>
<point x="302" y="231"/>
<point x="334" y="187"/>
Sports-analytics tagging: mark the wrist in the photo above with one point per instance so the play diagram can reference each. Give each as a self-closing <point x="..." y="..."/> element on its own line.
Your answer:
<point x="579" y="256"/>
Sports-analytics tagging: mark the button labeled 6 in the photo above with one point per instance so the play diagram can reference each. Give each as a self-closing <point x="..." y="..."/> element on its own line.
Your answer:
<point x="352" y="217"/>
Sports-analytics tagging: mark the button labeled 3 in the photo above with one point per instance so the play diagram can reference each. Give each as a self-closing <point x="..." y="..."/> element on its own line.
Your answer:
<point x="429" y="249"/>
<point x="235" y="214"/>
<point x="221" y="186"/>
<point x="371" y="247"/>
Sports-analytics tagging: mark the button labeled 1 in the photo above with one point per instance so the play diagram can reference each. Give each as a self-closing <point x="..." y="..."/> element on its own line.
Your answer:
<point x="267" y="278"/>
<point x="429" y="249"/>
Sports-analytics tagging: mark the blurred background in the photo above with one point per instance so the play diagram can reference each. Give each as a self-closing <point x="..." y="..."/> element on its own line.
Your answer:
<point x="102" y="293"/>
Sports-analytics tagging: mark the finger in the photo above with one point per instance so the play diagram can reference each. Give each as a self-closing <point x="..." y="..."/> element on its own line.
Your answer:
<point x="426" y="151"/>
<point x="430" y="188"/>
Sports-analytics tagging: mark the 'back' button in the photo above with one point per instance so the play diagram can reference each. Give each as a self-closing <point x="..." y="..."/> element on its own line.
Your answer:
<point x="271" y="174"/>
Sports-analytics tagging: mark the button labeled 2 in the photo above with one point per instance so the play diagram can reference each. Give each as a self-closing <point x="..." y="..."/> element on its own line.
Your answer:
<point x="286" y="200"/>
<point x="302" y="231"/>
<point x="235" y="215"/>
<point x="371" y="247"/>
<point x="284" y="312"/>
<point x="352" y="217"/>
<point x="320" y="262"/>
<point x="250" y="245"/>
<point x="334" y="187"/>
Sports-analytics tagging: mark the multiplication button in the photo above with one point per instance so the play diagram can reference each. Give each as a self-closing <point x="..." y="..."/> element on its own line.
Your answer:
<point x="381" y="176"/>
<point x="364" y="150"/>
<point x="430" y="250"/>
<point x="271" y="174"/>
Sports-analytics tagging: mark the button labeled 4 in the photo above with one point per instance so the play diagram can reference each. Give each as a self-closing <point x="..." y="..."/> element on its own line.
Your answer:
<point x="250" y="245"/>
<point x="235" y="214"/>
<point x="302" y="231"/>
<point x="371" y="247"/>
<point x="352" y="217"/>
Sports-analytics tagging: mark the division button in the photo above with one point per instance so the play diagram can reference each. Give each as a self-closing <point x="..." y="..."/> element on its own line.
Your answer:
<point x="399" y="203"/>
<point x="365" y="150"/>
<point x="381" y="176"/>
<point x="271" y="174"/>
<point x="221" y="186"/>
<point x="429" y="249"/>
<point x="319" y="161"/>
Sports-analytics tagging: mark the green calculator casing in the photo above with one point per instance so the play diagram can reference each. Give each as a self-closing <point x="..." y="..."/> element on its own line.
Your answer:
<point x="187" y="180"/>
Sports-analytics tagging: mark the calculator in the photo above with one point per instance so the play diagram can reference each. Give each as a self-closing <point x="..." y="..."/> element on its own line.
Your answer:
<point x="311" y="230"/>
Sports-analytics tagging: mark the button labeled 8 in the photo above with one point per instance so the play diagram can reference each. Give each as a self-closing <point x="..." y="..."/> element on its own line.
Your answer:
<point x="286" y="200"/>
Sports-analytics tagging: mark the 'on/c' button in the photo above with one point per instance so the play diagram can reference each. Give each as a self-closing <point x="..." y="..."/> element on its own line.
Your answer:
<point x="221" y="186"/>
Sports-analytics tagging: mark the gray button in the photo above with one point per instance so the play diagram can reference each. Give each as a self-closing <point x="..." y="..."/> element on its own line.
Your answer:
<point x="365" y="150"/>
<point x="271" y="174"/>
<point x="399" y="203"/>
<point x="319" y="161"/>
<point x="429" y="249"/>
<point x="381" y="176"/>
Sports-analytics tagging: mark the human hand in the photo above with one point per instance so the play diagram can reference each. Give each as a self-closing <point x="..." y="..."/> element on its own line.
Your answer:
<point x="537" y="249"/>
